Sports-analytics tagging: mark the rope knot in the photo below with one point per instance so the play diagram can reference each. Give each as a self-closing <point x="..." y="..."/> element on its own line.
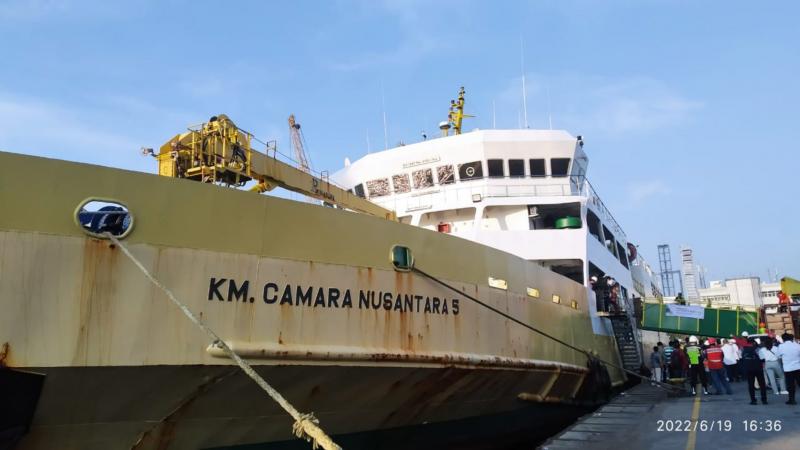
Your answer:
<point x="303" y="428"/>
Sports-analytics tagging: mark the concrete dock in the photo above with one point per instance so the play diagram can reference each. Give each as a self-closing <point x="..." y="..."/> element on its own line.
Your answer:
<point x="645" y="417"/>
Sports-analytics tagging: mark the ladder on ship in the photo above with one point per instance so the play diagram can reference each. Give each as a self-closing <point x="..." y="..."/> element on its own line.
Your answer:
<point x="627" y="343"/>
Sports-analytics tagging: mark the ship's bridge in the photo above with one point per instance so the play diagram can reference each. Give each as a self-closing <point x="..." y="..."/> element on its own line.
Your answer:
<point x="494" y="187"/>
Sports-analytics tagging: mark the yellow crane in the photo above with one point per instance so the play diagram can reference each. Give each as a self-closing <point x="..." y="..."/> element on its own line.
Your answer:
<point x="219" y="152"/>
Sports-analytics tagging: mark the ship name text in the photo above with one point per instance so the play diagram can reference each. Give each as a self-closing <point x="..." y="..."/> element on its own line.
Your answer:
<point x="230" y="290"/>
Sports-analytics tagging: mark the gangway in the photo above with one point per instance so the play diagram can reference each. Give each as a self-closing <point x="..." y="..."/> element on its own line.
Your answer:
<point x="627" y="341"/>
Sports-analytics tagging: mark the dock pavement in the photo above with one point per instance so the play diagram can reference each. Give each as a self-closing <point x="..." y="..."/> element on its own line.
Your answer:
<point x="647" y="417"/>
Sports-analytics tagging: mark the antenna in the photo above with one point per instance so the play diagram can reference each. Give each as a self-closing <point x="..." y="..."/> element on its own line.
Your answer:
<point x="385" y="127"/>
<point x="524" y="95"/>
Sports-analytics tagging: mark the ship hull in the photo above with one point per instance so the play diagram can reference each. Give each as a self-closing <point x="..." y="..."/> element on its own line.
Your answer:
<point x="219" y="407"/>
<point x="307" y="294"/>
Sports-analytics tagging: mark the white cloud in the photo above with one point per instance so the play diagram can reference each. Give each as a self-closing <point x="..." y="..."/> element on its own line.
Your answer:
<point x="33" y="120"/>
<point x="598" y="104"/>
<point x="33" y="10"/>
<point x="638" y="192"/>
<point x="638" y="104"/>
<point x="419" y="35"/>
<point x="410" y="50"/>
<point x="38" y="127"/>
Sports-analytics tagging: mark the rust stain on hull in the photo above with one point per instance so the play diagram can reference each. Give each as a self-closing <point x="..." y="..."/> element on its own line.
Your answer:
<point x="5" y="350"/>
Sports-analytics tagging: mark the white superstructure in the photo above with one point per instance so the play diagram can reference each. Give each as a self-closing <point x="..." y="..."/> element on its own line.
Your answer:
<point x="521" y="191"/>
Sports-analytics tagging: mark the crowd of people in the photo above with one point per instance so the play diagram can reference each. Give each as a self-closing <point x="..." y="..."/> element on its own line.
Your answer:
<point x="765" y="363"/>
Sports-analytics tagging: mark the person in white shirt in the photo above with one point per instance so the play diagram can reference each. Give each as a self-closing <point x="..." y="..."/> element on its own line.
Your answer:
<point x="772" y="367"/>
<point x="731" y="356"/>
<point x="789" y="352"/>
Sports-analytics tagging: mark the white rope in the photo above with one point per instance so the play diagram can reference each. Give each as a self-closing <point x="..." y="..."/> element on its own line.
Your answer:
<point x="305" y="425"/>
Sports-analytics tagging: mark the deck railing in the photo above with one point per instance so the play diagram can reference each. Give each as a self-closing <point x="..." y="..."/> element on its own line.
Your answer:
<point x="465" y="191"/>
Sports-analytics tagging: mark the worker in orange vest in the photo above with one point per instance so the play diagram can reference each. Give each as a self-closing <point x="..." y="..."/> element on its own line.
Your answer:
<point x="716" y="367"/>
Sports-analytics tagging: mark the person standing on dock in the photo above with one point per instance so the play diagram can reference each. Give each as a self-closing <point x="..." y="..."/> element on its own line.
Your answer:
<point x="731" y="360"/>
<point x="696" y="368"/>
<point x="668" y="361"/>
<point x="678" y="362"/>
<point x="754" y="370"/>
<point x="656" y="364"/>
<point x="789" y="352"/>
<point x="716" y="367"/>
<point x="772" y="367"/>
<point x="661" y="354"/>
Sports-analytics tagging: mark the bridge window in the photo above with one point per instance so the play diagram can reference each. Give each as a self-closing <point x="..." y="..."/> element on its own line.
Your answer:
<point x="516" y="168"/>
<point x="495" y="168"/>
<point x="445" y="174"/>
<point x="401" y="183"/>
<point x="360" y="190"/>
<point x="559" y="166"/>
<point x="378" y="188"/>
<point x="423" y="178"/>
<point x="537" y="167"/>
<point x="470" y="171"/>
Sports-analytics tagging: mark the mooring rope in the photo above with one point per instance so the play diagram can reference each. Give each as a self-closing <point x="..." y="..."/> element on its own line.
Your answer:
<point x="305" y="425"/>
<point x="536" y="330"/>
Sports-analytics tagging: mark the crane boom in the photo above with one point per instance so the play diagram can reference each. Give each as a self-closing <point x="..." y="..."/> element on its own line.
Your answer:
<point x="297" y="145"/>
<point x="220" y="152"/>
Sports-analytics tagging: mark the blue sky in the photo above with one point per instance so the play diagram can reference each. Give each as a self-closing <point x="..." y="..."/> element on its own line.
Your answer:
<point x="688" y="109"/>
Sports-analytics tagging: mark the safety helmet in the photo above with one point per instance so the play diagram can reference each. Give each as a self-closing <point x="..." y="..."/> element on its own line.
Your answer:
<point x="745" y="334"/>
<point x="693" y="339"/>
<point x="712" y="341"/>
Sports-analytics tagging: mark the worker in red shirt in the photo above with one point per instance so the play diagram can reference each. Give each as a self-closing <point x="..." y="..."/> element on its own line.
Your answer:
<point x="716" y="367"/>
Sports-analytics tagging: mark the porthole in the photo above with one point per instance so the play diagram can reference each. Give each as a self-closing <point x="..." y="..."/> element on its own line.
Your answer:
<point x="402" y="259"/>
<point x="96" y="217"/>
<point x="556" y="299"/>
<point x="574" y="304"/>
<point x="533" y="292"/>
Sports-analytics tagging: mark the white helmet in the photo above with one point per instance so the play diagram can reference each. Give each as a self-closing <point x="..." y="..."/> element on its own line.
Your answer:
<point x="745" y="334"/>
<point x="693" y="339"/>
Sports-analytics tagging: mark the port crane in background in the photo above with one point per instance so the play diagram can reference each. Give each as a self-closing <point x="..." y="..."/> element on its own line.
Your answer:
<point x="297" y="145"/>
<point x="220" y="152"/>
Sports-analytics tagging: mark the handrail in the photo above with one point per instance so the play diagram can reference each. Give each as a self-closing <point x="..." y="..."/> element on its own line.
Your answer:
<point x="505" y="186"/>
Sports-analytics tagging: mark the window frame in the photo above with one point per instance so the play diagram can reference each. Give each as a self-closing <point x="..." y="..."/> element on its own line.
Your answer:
<point x="493" y="164"/>
<point x="530" y="167"/>
<point x="521" y="173"/>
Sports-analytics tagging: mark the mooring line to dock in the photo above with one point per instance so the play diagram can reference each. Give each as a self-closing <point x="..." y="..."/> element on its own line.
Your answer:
<point x="536" y="330"/>
<point x="305" y="425"/>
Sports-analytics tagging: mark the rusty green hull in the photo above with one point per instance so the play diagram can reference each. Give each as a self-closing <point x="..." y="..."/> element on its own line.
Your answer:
<point x="307" y="294"/>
